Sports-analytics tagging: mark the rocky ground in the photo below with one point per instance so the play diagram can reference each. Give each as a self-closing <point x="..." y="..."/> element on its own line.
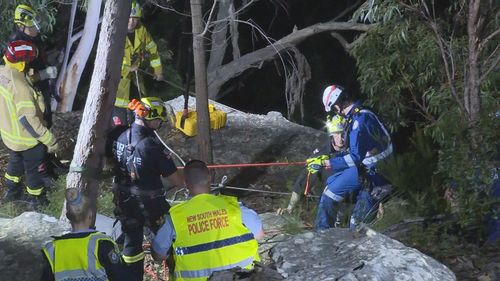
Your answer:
<point x="249" y="138"/>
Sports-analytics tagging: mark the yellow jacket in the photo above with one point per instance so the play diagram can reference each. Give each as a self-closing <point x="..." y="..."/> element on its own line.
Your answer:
<point x="144" y="48"/>
<point x="21" y="112"/>
<point x="210" y="236"/>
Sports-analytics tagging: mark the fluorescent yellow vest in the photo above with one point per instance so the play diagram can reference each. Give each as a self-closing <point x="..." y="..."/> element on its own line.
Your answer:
<point x="143" y="45"/>
<point x="210" y="236"/>
<point x="19" y="101"/>
<point x="73" y="259"/>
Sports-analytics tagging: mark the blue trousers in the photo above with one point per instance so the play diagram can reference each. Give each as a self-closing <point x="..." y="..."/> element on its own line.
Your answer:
<point x="339" y="186"/>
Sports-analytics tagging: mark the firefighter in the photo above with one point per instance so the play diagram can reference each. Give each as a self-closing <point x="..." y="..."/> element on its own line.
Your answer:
<point x="208" y="232"/>
<point x="41" y="76"/>
<point x="367" y="143"/>
<point x="22" y="127"/>
<point x="139" y="47"/>
<point x="82" y="254"/>
<point x="140" y="162"/>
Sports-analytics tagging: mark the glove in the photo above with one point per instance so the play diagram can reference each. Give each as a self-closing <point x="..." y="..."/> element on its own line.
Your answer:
<point x="291" y="205"/>
<point x="315" y="164"/>
<point x="53" y="147"/>
<point x="48" y="73"/>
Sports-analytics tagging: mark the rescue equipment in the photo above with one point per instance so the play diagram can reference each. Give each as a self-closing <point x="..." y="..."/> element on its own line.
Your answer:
<point x="218" y="119"/>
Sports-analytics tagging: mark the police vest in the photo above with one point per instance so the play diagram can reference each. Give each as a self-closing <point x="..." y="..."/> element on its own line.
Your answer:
<point x="74" y="259"/>
<point x="210" y="236"/>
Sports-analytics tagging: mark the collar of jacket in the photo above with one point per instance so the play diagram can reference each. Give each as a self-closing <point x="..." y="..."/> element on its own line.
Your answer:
<point x="354" y="110"/>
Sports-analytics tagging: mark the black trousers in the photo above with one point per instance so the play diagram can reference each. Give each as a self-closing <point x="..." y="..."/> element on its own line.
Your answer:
<point x="30" y="163"/>
<point x="135" y="213"/>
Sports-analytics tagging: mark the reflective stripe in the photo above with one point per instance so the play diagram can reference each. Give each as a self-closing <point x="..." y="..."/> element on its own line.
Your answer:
<point x="48" y="250"/>
<point x="13" y="179"/>
<point x="17" y="139"/>
<point x="24" y="104"/>
<point x="208" y="271"/>
<point x="77" y="275"/>
<point x="47" y="138"/>
<point x="155" y="63"/>
<point x="121" y="102"/>
<point x="213" y="245"/>
<point x="349" y="161"/>
<point x="133" y="259"/>
<point x="332" y="195"/>
<point x="34" y="191"/>
<point x="377" y="157"/>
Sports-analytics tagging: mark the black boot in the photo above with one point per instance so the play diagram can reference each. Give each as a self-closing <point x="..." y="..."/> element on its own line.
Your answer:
<point x="13" y="194"/>
<point x="36" y="202"/>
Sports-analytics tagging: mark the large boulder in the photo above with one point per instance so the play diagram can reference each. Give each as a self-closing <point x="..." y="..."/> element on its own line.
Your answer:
<point x="21" y="239"/>
<point x="342" y="254"/>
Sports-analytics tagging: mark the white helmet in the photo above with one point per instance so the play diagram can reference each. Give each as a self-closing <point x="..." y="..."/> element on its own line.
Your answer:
<point x="331" y="95"/>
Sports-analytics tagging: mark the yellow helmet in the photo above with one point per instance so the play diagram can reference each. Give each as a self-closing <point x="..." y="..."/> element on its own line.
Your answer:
<point x="136" y="10"/>
<point x="335" y="124"/>
<point x="149" y="108"/>
<point x="26" y="16"/>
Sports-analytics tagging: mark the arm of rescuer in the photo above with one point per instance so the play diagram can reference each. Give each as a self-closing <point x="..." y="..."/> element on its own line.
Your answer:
<point x="166" y="234"/>
<point x="26" y="110"/>
<point x="159" y="157"/>
<point x="110" y="258"/>
<point x="47" y="274"/>
<point x="154" y="56"/>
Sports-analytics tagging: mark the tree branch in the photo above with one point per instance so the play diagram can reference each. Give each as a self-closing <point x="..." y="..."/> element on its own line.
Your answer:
<point x="234" y="68"/>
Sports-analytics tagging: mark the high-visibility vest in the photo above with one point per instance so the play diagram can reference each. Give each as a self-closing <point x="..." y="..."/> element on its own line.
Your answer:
<point x="142" y="46"/>
<point x="210" y="236"/>
<point x="21" y="112"/>
<point x="73" y="259"/>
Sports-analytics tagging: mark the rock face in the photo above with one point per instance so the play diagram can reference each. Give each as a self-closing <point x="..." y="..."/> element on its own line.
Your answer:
<point x="21" y="239"/>
<point x="342" y="254"/>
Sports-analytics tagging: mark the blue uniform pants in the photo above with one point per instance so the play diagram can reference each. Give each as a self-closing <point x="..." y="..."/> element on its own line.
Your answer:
<point x="339" y="186"/>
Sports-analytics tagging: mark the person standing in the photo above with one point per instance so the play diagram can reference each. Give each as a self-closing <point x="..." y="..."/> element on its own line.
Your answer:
<point x="139" y="47"/>
<point x="22" y="127"/>
<point x="140" y="161"/>
<point x="40" y="75"/>
<point x="82" y="254"/>
<point x="208" y="232"/>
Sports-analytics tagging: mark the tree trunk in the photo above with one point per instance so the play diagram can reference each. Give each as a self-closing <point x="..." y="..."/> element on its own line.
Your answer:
<point x="217" y="78"/>
<point x="200" y="75"/>
<point x="73" y="72"/>
<point x="89" y="150"/>
<point x="472" y="91"/>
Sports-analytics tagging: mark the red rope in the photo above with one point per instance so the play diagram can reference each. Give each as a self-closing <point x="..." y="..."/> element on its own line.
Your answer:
<point x="225" y="166"/>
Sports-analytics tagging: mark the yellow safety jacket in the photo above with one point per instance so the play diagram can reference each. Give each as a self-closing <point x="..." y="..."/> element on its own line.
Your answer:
<point x="135" y="54"/>
<point x="74" y="259"/>
<point x="210" y="236"/>
<point x="21" y="112"/>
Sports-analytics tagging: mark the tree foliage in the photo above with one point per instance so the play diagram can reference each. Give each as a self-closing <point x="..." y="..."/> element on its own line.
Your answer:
<point x="416" y="68"/>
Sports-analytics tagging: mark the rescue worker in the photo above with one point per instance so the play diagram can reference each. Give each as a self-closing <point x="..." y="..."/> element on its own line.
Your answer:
<point x="22" y="127"/>
<point x="41" y="76"/>
<point x="139" y="47"/>
<point x="335" y="129"/>
<point x="140" y="161"/>
<point x="368" y="142"/>
<point x="208" y="233"/>
<point x="82" y="254"/>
